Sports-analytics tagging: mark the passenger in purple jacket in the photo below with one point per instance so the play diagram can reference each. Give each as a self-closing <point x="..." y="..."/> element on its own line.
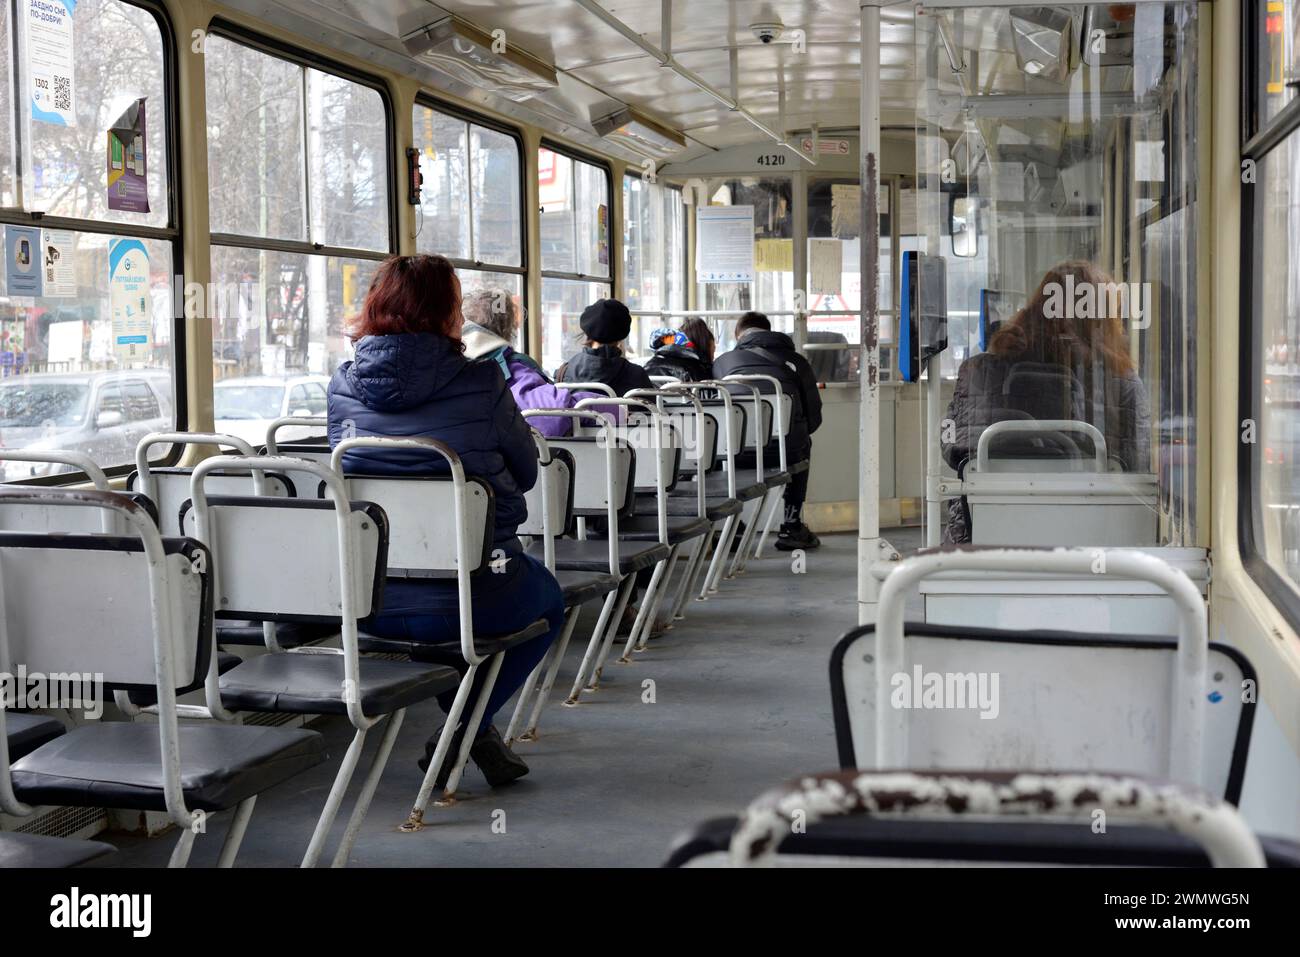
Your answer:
<point x="491" y="321"/>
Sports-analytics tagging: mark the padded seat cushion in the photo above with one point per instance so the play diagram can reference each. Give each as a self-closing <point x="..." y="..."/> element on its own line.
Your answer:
<point x="313" y="684"/>
<point x="449" y="654"/>
<point x="715" y="508"/>
<point x="582" y="587"/>
<point x="118" y="764"/>
<point x="593" y="555"/>
<point x="715" y="484"/>
<point x="37" y="850"/>
<point x="645" y="528"/>
<point x="27" y="732"/>
<point x="290" y="634"/>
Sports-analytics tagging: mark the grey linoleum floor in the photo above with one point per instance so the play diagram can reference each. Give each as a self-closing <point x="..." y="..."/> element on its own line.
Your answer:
<point x="742" y="702"/>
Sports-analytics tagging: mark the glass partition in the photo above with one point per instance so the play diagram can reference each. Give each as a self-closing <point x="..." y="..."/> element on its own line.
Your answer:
<point x="1056" y="212"/>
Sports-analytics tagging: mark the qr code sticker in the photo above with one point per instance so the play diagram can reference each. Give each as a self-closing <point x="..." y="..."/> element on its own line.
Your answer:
<point x="62" y="92"/>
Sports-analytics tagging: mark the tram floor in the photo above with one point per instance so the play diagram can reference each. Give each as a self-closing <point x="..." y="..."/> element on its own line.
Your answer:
<point x="741" y="701"/>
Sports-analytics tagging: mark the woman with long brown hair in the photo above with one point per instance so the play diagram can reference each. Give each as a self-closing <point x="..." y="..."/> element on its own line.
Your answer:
<point x="1063" y="356"/>
<point x="410" y="377"/>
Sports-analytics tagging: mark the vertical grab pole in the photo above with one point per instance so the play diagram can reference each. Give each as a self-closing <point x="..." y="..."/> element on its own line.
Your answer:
<point x="870" y="545"/>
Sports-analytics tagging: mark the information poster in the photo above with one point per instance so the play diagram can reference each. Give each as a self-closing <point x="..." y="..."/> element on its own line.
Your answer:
<point x="59" y="272"/>
<point x="50" y="61"/>
<point x="128" y="182"/>
<point x="23" y="261"/>
<point x="129" y="300"/>
<point x="724" y="243"/>
<point x="825" y="266"/>
<point x="774" y="255"/>
<point x="846" y="209"/>
<point x="602" y="235"/>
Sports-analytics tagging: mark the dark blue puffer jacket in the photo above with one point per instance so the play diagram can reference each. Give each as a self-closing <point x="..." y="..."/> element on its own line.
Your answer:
<point x="420" y="385"/>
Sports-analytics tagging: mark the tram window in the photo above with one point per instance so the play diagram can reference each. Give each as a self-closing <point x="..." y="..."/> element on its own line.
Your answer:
<point x="772" y="289"/>
<point x="562" y="303"/>
<point x="281" y="312"/>
<point x="1277" y="348"/>
<point x="1276" y="56"/>
<point x="654" y="250"/>
<point x="103" y="269"/>
<point x="348" y="171"/>
<point x="7" y="162"/>
<point x="469" y="171"/>
<point x="118" y="61"/>
<point x="305" y="127"/>
<point x="254" y="109"/>
<point x="834" y="272"/>
<point x="574" y="197"/>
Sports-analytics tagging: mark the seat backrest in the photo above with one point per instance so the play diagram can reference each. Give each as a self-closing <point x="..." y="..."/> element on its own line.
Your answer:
<point x="1001" y="700"/>
<point x="84" y="521"/>
<point x="172" y="490"/>
<point x="590" y="498"/>
<point x="421" y="521"/>
<point x="561" y="473"/>
<point x="277" y="559"/>
<point x="699" y="434"/>
<point x="667" y="445"/>
<point x="716" y="410"/>
<point x="98" y="618"/>
<point x="758" y="426"/>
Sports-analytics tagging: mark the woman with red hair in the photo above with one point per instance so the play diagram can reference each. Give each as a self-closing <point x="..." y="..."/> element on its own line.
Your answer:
<point x="410" y="377"/>
<point x="1063" y="356"/>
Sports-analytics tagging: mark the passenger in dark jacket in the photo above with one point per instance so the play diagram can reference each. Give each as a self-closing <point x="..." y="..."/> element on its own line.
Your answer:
<point x="606" y="323"/>
<point x="760" y="351"/>
<point x="685" y="353"/>
<point x="1049" y="362"/>
<point x="409" y="378"/>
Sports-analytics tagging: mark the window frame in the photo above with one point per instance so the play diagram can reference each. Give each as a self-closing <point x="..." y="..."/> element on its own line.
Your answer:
<point x="307" y="59"/>
<point x="431" y="102"/>
<point x="173" y="233"/>
<point x="605" y="167"/>
<point x="1284" y="594"/>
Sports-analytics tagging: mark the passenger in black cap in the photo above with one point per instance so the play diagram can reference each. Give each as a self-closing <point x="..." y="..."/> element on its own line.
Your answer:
<point x="606" y="323"/>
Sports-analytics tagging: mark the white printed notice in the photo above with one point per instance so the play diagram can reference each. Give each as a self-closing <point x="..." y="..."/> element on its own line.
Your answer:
<point x="129" y="299"/>
<point x="826" y="266"/>
<point x="50" y="61"/>
<point x="724" y="243"/>
<point x="57" y="264"/>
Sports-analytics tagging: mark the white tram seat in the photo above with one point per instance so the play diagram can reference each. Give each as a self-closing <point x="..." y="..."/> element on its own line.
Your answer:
<point x="440" y="526"/>
<point x="1070" y="499"/>
<point x="280" y="559"/>
<point x="927" y="696"/>
<point x="604" y="488"/>
<point x="1105" y="604"/>
<point x="168" y="489"/>
<point x="160" y="645"/>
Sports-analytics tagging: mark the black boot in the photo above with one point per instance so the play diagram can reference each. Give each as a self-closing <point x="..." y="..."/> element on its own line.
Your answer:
<point x="498" y="763"/>
<point x="796" y="535"/>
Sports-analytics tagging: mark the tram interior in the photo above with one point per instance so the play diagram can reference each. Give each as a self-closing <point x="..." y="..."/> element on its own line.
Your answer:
<point x="1030" y="335"/>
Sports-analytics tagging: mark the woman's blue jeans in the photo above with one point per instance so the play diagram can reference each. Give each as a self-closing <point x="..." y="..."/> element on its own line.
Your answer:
<point x="428" y="612"/>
